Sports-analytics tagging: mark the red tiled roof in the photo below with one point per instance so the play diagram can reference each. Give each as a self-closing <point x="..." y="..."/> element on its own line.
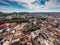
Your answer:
<point x="4" y="24"/>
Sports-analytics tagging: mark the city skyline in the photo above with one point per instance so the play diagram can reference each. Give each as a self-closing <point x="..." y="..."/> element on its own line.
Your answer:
<point x="30" y="6"/>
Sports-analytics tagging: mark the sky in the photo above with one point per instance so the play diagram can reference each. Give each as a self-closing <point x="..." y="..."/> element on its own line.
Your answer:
<point x="29" y="6"/>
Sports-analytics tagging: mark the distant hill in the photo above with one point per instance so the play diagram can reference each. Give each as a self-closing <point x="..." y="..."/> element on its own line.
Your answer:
<point x="3" y="14"/>
<point x="32" y="13"/>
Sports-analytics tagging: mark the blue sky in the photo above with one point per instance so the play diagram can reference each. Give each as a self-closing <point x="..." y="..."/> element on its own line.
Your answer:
<point x="30" y="6"/>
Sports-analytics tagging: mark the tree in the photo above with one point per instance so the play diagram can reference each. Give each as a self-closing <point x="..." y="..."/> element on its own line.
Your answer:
<point x="34" y="27"/>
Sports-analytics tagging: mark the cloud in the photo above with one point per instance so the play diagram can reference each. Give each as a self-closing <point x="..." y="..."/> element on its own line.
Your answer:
<point x="24" y="1"/>
<point x="28" y="3"/>
<point x="31" y="5"/>
<point x="4" y="2"/>
<point x="8" y="9"/>
<point x="51" y="4"/>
